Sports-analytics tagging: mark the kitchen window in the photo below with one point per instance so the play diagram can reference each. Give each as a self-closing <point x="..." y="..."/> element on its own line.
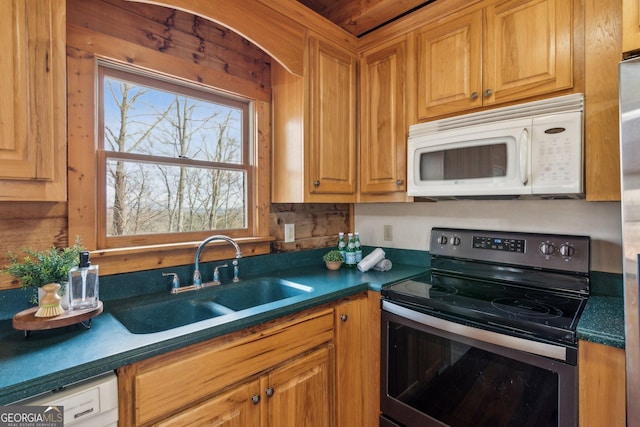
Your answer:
<point x="174" y="161"/>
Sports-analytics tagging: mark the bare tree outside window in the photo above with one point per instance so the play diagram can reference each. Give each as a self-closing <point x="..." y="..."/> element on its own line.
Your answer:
<point x="175" y="159"/>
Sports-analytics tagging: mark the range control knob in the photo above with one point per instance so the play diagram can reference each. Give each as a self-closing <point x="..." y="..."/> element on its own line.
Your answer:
<point x="547" y="248"/>
<point x="567" y="250"/>
<point x="442" y="239"/>
<point x="455" y="241"/>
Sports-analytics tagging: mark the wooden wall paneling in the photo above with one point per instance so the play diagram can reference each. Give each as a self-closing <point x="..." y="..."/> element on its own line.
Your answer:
<point x="32" y="225"/>
<point x="262" y="175"/>
<point x="316" y="224"/>
<point x="81" y="69"/>
<point x="176" y="33"/>
<point x="279" y="35"/>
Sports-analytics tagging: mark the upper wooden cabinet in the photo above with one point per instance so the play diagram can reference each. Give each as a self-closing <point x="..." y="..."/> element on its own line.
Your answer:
<point x="314" y="119"/>
<point x="383" y="126"/>
<point x="33" y="102"/>
<point x="506" y="51"/>
<point x="630" y="25"/>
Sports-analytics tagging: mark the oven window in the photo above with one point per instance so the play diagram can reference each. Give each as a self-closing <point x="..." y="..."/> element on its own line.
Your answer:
<point x="466" y="386"/>
<point x="482" y="161"/>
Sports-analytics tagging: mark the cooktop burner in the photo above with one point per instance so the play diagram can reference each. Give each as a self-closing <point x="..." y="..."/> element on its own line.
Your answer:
<point x="526" y="308"/>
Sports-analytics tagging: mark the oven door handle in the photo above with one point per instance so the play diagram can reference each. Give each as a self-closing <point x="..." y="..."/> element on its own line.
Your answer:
<point x="542" y="349"/>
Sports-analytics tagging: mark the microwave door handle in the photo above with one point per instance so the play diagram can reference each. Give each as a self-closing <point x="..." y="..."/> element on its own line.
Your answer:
<point x="523" y="156"/>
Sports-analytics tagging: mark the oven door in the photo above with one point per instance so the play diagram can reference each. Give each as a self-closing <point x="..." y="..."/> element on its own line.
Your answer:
<point x="448" y="375"/>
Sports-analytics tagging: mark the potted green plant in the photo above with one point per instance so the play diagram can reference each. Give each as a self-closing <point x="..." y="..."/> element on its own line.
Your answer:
<point x="38" y="268"/>
<point x="333" y="259"/>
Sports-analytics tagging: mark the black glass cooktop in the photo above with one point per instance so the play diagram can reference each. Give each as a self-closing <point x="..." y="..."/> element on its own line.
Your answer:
<point x="532" y="312"/>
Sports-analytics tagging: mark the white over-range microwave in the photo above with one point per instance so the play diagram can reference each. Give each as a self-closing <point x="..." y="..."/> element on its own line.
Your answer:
<point x="527" y="150"/>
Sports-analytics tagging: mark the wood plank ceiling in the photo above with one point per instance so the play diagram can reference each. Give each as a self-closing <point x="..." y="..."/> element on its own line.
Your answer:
<point x="361" y="16"/>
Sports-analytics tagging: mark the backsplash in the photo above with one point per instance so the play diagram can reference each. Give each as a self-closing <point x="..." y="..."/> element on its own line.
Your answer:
<point x="129" y="285"/>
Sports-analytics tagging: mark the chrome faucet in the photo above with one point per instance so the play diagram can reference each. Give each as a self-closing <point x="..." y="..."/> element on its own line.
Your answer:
<point x="197" y="278"/>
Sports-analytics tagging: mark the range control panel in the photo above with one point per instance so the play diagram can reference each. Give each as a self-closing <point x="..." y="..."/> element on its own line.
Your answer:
<point x="549" y="251"/>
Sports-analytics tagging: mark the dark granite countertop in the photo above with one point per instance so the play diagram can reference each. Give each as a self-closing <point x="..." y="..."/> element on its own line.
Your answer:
<point x="55" y="358"/>
<point x="602" y="321"/>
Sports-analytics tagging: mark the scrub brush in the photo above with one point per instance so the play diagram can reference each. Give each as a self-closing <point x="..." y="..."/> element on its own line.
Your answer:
<point x="50" y="302"/>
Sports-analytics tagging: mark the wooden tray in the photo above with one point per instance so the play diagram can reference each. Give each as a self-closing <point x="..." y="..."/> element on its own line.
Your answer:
<point x="27" y="321"/>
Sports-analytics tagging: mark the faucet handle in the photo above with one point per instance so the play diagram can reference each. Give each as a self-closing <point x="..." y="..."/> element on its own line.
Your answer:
<point x="236" y="270"/>
<point x="216" y="273"/>
<point x="175" y="280"/>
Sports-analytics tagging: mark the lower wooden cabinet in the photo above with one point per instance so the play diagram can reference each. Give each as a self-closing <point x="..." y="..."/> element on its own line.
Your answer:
<point x="299" y="393"/>
<point x="349" y="339"/>
<point x="601" y="377"/>
<point x="233" y="408"/>
<point x="292" y="395"/>
<point x="308" y="369"/>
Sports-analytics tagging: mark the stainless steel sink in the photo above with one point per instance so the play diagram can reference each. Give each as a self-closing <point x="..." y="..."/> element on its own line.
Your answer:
<point x="171" y="311"/>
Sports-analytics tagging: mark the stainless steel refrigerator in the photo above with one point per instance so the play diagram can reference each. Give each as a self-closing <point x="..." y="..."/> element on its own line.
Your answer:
<point x="630" y="187"/>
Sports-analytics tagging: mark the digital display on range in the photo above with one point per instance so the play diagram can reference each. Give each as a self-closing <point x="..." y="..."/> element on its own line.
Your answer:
<point x="498" y="244"/>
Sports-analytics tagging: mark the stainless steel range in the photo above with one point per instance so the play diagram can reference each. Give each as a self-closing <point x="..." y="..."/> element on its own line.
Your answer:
<point x="488" y="336"/>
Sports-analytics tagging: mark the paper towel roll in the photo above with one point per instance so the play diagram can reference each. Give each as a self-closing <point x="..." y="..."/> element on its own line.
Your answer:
<point x="383" y="265"/>
<point x="371" y="260"/>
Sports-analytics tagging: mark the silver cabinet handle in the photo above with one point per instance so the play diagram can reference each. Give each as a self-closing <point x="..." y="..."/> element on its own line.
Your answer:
<point x="399" y="182"/>
<point x="488" y="93"/>
<point x="255" y="399"/>
<point x="316" y="183"/>
<point x="344" y="317"/>
<point x="474" y="96"/>
<point x="269" y="392"/>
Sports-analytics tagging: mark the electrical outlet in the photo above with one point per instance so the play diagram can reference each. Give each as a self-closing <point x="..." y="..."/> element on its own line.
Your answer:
<point x="289" y="233"/>
<point x="388" y="233"/>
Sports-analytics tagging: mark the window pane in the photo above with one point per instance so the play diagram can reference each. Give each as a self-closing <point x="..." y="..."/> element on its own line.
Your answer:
<point x="144" y="120"/>
<point x="145" y="198"/>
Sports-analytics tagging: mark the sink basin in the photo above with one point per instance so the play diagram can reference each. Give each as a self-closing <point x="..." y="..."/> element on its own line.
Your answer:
<point x="171" y="311"/>
<point x="166" y="314"/>
<point x="256" y="292"/>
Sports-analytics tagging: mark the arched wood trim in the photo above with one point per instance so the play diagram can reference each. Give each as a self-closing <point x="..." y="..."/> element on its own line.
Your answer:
<point x="279" y="36"/>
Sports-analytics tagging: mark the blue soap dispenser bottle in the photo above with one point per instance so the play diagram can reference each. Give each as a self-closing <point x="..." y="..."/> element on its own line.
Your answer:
<point x="83" y="284"/>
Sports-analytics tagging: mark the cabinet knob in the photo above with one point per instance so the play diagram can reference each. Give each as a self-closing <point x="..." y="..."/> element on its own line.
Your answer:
<point x="269" y="392"/>
<point x="488" y="93"/>
<point x="399" y="182"/>
<point x="316" y="183"/>
<point x="255" y="399"/>
<point x="474" y="96"/>
<point x="344" y="317"/>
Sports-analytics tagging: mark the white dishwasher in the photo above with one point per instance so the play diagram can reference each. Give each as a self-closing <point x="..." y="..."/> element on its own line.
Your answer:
<point x="89" y="403"/>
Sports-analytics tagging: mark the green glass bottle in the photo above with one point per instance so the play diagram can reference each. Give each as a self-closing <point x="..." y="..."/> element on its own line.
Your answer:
<point x="350" y="258"/>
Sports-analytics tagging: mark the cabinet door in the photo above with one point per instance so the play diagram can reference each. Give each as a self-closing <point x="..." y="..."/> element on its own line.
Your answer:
<point x="383" y="157"/>
<point x="32" y="106"/>
<point x="299" y="393"/>
<point x="630" y="25"/>
<point x="350" y="348"/>
<point x="236" y="408"/>
<point x="602" y="385"/>
<point x="449" y="65"/>
<point x="332" y="108"/>
<point x="528" y="49"/>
